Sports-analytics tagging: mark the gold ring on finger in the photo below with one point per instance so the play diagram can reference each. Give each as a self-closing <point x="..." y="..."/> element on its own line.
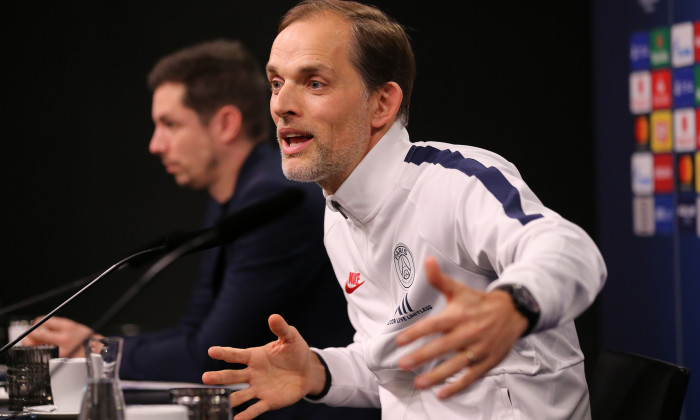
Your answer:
<point x="470" y="354"/>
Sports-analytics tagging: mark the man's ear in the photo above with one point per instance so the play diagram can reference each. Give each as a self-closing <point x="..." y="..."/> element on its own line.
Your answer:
<point x="388" y="101"/>
<point x="227" y="123"/>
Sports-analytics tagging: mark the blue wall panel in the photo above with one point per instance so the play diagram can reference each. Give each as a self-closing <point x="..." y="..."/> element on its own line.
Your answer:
<point x="650" y="303"/>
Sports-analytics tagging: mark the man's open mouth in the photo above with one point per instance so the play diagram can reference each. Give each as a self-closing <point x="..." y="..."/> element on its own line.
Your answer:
<point x="294" y="141"/>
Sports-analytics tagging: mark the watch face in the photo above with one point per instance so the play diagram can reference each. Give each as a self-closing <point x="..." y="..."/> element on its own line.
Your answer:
<point x="524" y="303"/>
<point x="525" y="298"/>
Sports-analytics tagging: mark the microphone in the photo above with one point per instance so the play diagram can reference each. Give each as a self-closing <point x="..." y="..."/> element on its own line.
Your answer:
<point x="240" y="222"/>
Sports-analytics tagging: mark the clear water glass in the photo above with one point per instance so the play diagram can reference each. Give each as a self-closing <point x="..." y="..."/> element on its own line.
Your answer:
<point x="103" y="398"/>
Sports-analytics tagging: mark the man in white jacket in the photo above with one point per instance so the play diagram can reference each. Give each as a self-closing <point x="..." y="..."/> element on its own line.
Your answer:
<point x="462" y="287"/>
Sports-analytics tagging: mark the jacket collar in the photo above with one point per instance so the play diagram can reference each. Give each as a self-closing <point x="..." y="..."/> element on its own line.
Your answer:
<point x="362" y="194"/>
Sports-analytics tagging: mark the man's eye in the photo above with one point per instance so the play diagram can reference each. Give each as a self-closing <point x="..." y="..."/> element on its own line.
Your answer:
<point x="315" y="84"/>
<point x="275" y="85"/>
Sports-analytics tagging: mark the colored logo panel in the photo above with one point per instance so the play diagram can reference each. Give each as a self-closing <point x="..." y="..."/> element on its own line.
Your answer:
<point x="659" y="48"/>
<point x="642" y="173"/>
<point x="663" y="214"/>
<point x="697" y="41"/>
<point x="661" y="131"/>
<point x="684" y="131"/>
<point x="683" y="87"/>
<point x="663" y="173"/>
<point x="640" y="92"/>
<point x="641" y="131"/>
<point x="697" y="85"/>
<point x="639" y="51"/>
<point x="661" y="89"/>
<point x="687" y="213"/>
<point x="682" y="48"/>
<point x="697" y="171"/>
<point x="643" y="216"/>
<point x="686" y="172"/>
<point x="697" y="128"/>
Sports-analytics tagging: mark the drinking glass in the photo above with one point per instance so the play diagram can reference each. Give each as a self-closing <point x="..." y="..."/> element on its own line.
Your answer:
<point x="28" y="375"/>
<point x="103" y="398"/>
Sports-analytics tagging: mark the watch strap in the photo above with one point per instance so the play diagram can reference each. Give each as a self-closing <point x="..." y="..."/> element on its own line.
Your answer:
<point x="525" y="303"/>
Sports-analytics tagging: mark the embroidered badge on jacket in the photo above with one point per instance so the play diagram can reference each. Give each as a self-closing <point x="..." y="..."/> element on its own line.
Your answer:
<point x="404" y="266"/>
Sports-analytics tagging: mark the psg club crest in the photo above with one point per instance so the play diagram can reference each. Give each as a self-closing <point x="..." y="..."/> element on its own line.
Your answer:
<point x="404" y="266"/>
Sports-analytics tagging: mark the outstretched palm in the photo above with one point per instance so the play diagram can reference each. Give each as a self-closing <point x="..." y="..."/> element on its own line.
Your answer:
<point x="278" y="374"/>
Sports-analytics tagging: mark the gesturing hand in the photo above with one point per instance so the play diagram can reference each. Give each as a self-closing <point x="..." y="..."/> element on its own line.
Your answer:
<point x="278" y="374"/>
<point x="480" y="327"/>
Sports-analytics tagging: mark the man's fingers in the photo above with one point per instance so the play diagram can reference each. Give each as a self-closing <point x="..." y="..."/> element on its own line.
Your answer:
<point x="239" y="397"/>
<point x="444" y="370"/>
<point x="253" y="411"/>
<point x="45" y="335"/>
<point x="436" y="324"/>
<point x="475" y="371"/>
<point x="31" y="340"/>
<point x="435" y="348"/>
<point x="422" y="328"/>
<point x="225" y="377"/>
<point x="229" y="354"/>
<point x="55" y="323"/>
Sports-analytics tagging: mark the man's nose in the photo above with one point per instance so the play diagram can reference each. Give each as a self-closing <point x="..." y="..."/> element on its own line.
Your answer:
<point x="285" y="101"/>
<point x="158" y="143"/>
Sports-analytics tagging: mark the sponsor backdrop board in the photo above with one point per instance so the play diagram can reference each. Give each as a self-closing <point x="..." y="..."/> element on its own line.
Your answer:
<point x="647" y="118"/>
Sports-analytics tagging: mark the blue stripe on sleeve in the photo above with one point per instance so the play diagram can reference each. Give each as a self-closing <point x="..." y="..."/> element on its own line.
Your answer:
<point x="492" y="178"/>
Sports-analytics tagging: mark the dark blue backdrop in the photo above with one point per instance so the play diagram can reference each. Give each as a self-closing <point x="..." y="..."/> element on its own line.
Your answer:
<point x="650" y="303"/>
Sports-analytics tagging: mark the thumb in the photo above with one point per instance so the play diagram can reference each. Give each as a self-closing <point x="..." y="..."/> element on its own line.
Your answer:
<point x="279" y="327"/>
<point x="438" y="279"/>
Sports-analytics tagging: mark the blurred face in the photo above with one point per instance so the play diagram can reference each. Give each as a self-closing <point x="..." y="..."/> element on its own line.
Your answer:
<point x="319" y="102"/>
<point x="183" y="143"/>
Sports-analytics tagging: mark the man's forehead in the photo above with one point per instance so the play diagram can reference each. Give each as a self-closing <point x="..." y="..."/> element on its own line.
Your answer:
<point x="169" y="91"/>
<point x="314" y="43"/>
<point x="168" y="98"/>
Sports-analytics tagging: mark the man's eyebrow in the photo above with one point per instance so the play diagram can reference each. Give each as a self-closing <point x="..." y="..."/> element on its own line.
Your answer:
<point x="310" y="69"/>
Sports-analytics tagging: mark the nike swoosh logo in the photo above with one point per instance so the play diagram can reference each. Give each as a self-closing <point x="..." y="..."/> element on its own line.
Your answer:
<point x="351" y="288"/>
<point x="353" y="282"/>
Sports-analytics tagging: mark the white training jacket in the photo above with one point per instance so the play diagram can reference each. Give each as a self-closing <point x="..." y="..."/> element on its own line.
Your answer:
<point x="471" y="210"/>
